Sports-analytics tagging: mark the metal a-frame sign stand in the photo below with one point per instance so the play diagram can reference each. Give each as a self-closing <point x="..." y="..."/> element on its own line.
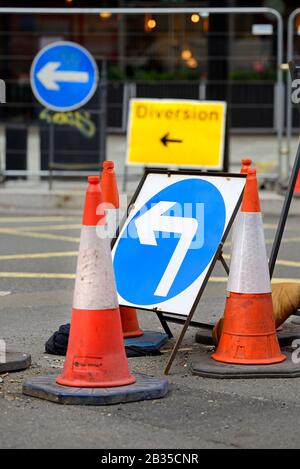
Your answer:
<point x="165" y="317"/>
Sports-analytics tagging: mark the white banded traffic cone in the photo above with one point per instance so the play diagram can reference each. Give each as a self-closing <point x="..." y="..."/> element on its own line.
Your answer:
<point x="249" y="335"/>
<point x="96" y="368"/>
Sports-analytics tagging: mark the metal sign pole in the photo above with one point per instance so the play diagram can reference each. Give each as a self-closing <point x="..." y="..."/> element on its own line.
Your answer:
<point x="289" y="104"/>
<point x="295" y="73"/>
<point x="51" y="154"/>
<point x="103" y="112"/>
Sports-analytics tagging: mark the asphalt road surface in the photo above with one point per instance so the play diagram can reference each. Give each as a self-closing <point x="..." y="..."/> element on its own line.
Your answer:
<point x="37" y="264"/>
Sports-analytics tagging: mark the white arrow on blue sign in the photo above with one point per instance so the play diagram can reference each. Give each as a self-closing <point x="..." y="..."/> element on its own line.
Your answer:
<point x="63" y="76"/>
<point x="171" y="237"/>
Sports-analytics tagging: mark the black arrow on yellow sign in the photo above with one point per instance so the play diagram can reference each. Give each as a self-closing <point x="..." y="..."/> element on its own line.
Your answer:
<point x="165" y="140"/>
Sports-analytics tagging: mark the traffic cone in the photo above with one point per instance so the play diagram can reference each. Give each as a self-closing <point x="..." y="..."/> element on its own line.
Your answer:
<point x="110" y="193"/>
<point x="95" y="355"/>
<point x="246" y="165"/>
<point x="130" y="323"/>
<point x="96" y="368"/>
<point x="249" y="335"/>
<point x="205" y="333"/>
<point x="109" y="185"/>
<point x="297" y="186"/>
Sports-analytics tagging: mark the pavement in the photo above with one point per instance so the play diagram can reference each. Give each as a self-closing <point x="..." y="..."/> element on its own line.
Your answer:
<point x="68" y="194"/>
<point x="38" y="251"/>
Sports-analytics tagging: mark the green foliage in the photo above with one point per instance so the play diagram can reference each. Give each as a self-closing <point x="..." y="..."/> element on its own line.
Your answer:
<point x="155" y="75"/>
<point x="253" y="75"/>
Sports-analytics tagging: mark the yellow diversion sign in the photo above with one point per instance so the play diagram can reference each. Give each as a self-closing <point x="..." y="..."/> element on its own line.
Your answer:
<point x="179" y="133"/>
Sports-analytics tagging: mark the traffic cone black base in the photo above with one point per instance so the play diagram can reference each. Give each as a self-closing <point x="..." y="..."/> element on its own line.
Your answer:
<point x="205" y="367"/>
<point x="15" y="361"/>
<point x="149" y="343"/>
<point x="286" y="335"/>
<point x="145" y="388"/>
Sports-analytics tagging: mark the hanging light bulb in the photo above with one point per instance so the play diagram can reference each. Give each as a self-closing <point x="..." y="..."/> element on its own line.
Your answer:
<point x="192" y="63"/>
<point x="105" y="15"/>
<point x="186" y="54"/>
<point x="150" y="23"/>
<point x="195" y="18"/>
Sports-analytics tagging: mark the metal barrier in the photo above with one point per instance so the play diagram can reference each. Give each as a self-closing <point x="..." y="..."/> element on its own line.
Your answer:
<point x="270" y="93"/>
<point x="290" y="115"/>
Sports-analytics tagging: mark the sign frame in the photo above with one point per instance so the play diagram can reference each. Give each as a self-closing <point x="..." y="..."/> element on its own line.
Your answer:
<point x="165" y="316"/>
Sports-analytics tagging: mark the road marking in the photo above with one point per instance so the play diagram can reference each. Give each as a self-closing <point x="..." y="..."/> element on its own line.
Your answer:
<point x="31" y="234"/>
<point x="287" y="263"/>
<point x="15" y="219"/>
<point x="274" y="280"/>
<point x="183" y="349"/>
<point x="271" y="241"/>
<point x="50" y="227"/>
<point x="5" y="293"/>
<point x="50" y="275"/>
<point x="46" y="275"/>
<point x="38" y="255"/>
<point x="272" y="226"/>
<point x="285" y="240"/>
<point x="283" y="262"/>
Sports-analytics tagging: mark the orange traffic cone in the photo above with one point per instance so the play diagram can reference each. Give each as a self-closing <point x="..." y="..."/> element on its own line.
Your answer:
<point x="249" y="335"/>
<point x="110" y="193"/>
<point x="96" y="368"/>
<point x="109" y="185"/>
<point x="96" y="355"/>
<point x="130" y="323"/>
<point x="246" y="165"/>
<point x="297" y="186"/>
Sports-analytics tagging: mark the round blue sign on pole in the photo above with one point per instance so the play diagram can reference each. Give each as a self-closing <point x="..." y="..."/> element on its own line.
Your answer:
<point x="63" y="76"/>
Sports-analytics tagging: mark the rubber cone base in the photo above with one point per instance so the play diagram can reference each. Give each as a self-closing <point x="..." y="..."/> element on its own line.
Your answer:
<point x="285" y="336"/>
<point x="145" y="388"/>
<point x="15" y="361"/>
<point x="148" y="344"/>
<point x="136" y="333"/>
<point x="205" y="366"/>
<point x="288" y="334"/>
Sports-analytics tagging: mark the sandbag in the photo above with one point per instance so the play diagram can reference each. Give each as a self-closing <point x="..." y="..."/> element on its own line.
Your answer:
<point x="286" y="301"/>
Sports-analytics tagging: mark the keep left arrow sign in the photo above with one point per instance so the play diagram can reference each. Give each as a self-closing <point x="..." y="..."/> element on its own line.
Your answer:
<point x="50" y="76"/>
<point x="154" y="221"/>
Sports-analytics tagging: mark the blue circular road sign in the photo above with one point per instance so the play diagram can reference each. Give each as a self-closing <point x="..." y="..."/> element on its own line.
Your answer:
<point x="141" y="266"/>
<point x="63" y="76"/>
